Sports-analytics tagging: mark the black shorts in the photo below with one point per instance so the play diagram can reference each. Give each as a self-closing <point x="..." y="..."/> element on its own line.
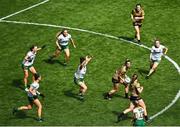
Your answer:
<point x="137" y="24"/>
<point x="114" y="81"/>
<point x="133" y="99"/>
<point x="31" y="100"/>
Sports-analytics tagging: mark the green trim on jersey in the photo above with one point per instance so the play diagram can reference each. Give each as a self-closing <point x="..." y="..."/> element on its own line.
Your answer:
<point x="78" y="81"/>
<point x="26" y="67"/>
<point x="63" y="47"/>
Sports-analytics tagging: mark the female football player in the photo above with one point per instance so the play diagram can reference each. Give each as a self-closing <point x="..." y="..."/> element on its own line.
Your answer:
<point x="27" y="64"/>
<point x="138" y="113"/>
<point x="155" y="57"/>
<point x="137" y="16"/>
<point x="135" y="98"/>
<point x="33" y="98"/>
<point x="79" y="75"/>
<point x="118" y="78"/>
<point x="62" y="41"/>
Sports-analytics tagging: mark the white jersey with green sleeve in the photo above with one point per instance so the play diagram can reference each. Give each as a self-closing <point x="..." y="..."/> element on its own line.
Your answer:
<point x="62" y="40"/>
<point x="156" y="53"/>
<point x="30" y="59"/>
<point x="138" y="113"/>
<point x="80" y="73"/>
<point x="35" y="87"/>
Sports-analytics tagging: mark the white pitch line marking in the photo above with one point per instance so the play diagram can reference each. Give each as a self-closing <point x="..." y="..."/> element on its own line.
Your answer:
<point x="15" y="13"/>
<point x="108" y="36"/>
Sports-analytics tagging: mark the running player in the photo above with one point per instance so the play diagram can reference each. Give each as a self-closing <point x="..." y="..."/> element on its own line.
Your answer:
<point x="27" y="64"/>
<point x="118" y="78"/>
<point x="135" y="98"/>
<point x="79" y="75"/>
<point x="138" y="113"/>
<point x="33" y="98"/>
<point x="137" y="16"/>
<point x="155" y="57"/>
<point x="62" y="41"/>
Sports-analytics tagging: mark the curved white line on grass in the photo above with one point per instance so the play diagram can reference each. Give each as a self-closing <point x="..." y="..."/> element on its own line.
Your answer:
<point x="109" y="36"/>
<point x="35" y="5"/>
<point x="167" y="107"/>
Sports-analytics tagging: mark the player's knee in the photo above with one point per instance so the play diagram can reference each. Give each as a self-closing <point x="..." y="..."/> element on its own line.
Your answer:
<point x="26" y="76"/>
<point x="29" y="107"/>
<point x="85" y="88"/>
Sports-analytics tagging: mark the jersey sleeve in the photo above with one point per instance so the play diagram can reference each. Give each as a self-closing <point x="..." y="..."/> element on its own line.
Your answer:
<point x="143" y="13"/>
<point x="33" y="85"/>
<point x="28" y="54"/>
<point x="59" y="37"/>
<point x="162" y="46"/>
<point x="69" y="36"/>
<point x="152" y="49"/>
<point x="137" y="85"/>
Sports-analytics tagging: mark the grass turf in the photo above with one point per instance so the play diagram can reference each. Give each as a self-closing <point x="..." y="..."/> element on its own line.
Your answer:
<point x="61" y="106"/>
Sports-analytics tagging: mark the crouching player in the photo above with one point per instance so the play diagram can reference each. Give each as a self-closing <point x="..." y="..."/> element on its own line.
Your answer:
<point x="118" y="78"/>
<point x="33" y="98"/>
<point x="79" y="75"/>
<point x="135" y="98"/>
<point x="138" y="113"/>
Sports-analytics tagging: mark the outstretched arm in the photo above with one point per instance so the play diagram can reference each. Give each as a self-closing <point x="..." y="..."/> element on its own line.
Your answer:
<point x="72" y="41"/>
<point x="86" y="61"/>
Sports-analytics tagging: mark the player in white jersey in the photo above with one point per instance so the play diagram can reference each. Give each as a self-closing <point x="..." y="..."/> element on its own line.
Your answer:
<point x="27" y="64"/>
<point x="33" y="98"/>
<point x="62" y="41"/>
<point x="138" y="113"/>
<point x="157" y="52"/>
<point x="79" y="75"/>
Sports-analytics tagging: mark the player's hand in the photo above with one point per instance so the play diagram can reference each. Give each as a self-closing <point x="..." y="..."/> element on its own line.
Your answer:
<point x="74" y="46"/>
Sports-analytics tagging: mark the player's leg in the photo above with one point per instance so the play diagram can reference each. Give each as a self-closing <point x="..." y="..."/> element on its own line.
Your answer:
<point x="83" y="89"/>
<point x="154" y="67"/>
<point x="55" y="54"/>
<point x="28" y="107"/>
<point x="33" y="71"/>
<point x="26" y="75"/>
<point x="126" y="89"/>
<point x="67" y="55"/>
<point x="137" y="32"/>
<point x="143" y="105"/>
<point x="113" y="91"/>
<point x="122" y="115"/>
<point x="39" y="109"/>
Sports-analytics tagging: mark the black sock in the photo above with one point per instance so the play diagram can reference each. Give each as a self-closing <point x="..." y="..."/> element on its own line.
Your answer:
<point x="139" y="41"/>
<point x="126" y="95"/>
<point x="146" y="118"/>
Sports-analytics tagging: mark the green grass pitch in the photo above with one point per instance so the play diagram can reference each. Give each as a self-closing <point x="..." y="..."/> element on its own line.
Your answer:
<point x="112" y="17"/>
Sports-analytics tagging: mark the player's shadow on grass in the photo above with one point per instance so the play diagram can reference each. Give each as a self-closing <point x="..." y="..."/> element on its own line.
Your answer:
<point x="71" y="94"/>
<point x="115" y="95"/>
<point x="18" y="83"/>
<point x="142" y="71"/>
<point x="53" y="62"/>
<point x="126" y="38"/>
<point x="22" y="115"/>
<point x="117" y="113"/>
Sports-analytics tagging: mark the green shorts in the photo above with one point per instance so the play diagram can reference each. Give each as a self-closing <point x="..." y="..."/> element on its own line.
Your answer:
<point x="156" y="61"/>
<point x="78" y="81"/>
<point x="139" y="123"/>
<point x="63" y="47"/>
<point x="26" y="67"/>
